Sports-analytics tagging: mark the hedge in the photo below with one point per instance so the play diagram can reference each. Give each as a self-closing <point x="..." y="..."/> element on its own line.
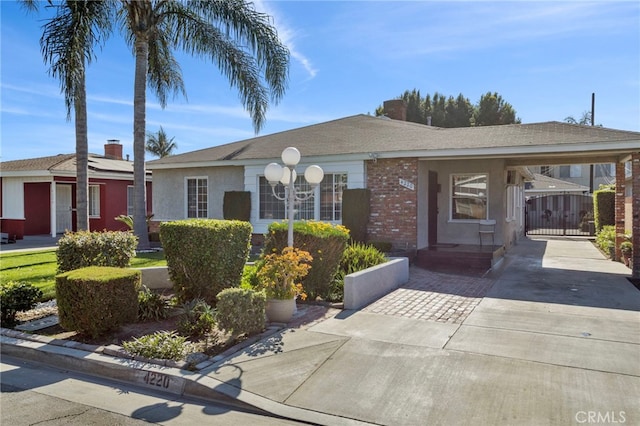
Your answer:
<point x="97" y="299"/>
<point x="326" y="244"/>
<point x="604" y="208"/>
<point x="205" y="256"/>
<point x="89" y="248"/>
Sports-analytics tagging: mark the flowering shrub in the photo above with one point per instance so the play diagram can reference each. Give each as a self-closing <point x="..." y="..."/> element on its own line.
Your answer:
<point x="277" y="273"/>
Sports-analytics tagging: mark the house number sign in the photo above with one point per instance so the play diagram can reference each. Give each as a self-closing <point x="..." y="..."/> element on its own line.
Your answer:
<point x="160" y="381"/>
<point x="407" y="184"/>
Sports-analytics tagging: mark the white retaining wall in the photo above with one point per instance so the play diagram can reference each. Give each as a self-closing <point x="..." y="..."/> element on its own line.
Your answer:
<point x="364" y="287"/>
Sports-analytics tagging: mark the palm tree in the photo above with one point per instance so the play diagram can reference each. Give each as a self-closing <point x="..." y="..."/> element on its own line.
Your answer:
<point x="159" y="144"/>
<point x="231" y="33"/>
<point x="67" y="44"/>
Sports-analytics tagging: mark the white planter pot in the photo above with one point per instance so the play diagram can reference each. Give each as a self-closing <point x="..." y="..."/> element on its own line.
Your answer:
<point x="280" y="310"/>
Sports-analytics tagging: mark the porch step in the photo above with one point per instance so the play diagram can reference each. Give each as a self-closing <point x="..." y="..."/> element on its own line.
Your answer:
<point x="459" y="258"/>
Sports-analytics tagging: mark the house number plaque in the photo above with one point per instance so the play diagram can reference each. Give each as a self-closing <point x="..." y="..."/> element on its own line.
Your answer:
<point x="407" y="184"/>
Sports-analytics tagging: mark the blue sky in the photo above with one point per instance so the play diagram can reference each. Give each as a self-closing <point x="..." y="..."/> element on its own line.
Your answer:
<point x="545" y="58"/>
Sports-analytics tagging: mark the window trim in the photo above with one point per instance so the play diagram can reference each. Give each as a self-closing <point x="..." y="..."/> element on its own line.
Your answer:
<point x="451" y="197"/>
<point x="93" y="203"/>
<point x="186" y="196"/>
<point x="130" y="199"/>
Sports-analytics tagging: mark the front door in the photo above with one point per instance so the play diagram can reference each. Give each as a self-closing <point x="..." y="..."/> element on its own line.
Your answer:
<point x="63" y="208"/>
<point x="432" y="209"/>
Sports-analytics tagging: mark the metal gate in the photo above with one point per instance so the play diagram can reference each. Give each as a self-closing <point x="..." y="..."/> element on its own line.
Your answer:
<point x="562" y="214"/>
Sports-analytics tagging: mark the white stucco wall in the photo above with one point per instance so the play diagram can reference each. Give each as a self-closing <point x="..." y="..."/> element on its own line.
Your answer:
<point x="169" y="190"/>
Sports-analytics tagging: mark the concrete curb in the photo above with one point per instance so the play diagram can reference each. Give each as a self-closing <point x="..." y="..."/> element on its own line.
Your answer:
<point x="160" y="375"/>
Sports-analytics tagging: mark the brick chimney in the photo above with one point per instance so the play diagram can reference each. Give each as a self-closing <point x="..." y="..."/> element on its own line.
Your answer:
<point x="395" y="109"/>
<point x="113" y="149"/>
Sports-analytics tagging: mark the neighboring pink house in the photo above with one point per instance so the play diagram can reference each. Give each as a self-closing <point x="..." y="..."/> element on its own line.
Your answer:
<point x="38" y="195"/>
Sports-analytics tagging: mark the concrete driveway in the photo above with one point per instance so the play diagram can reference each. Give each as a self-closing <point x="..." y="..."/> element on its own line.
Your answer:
<point x="553" y="339"/>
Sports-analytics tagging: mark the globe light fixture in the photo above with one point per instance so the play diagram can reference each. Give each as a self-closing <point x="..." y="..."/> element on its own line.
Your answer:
<point x="287" y="175"/>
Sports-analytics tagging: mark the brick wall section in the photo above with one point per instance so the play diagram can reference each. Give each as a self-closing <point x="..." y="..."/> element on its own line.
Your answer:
<point x="393" y="215"/>
<point x="619" y="208"/>
<point x="635" y="211"/>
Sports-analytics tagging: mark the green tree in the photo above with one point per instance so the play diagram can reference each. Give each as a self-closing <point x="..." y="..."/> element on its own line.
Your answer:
<point x="159" y="144"/>
<point x="458" y="112"/>
<point x="231" y="33"/>
<point x="493" y="110"/>
<point x="67" y="44"/>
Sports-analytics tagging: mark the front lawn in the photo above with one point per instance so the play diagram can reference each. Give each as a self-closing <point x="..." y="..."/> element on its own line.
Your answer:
<point x="39" y="268"/>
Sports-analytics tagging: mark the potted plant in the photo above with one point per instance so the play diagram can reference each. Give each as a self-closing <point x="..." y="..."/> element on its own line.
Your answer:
<point x="279" y="274"/>
<point x="627" y="250"/>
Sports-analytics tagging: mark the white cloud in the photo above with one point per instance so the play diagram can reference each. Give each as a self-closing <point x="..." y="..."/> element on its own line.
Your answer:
<point x="287" y="36"/>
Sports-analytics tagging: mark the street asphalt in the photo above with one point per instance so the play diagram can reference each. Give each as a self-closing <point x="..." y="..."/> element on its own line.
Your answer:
<point x="554" y="340"/>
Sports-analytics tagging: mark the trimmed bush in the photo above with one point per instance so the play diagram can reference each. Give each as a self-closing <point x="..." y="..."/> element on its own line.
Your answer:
<point x="16" y="297"/>
<point x="241" y="311"/>
<point x="97" y="299"/>
<point x="604" y="208"/>
<point x="324" y="241"/>
<point x="355" y="212"/>
<point x="356" y="257"/>
<point x="84" y="248"/>
<point x="236" y="205"/>
<point x="205" y="256"/>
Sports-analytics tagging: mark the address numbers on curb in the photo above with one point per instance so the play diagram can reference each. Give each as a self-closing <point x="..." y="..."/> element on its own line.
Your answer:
<point x="160" y="381"/>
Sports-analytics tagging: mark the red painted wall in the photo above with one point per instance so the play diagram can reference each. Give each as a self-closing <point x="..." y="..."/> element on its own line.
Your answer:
<point x="37" y="202"/>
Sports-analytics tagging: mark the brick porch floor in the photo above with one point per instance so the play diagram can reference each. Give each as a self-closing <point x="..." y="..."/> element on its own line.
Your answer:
<point x="433" y="296"/>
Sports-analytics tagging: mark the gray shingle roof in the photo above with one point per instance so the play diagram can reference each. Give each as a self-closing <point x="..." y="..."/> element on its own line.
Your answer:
<point x="66" y="163"/>
<point x="362" y="134"/>
<point x="545" y="183"/>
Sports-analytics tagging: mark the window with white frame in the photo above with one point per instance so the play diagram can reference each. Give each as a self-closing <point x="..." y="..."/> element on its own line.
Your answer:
<point x="512" y="193"/>
<point x="329" y="207"/>
<point x="197" y="197"/>
<point x="331" y="189"/>
<point x="94" y="200"/>
<point x="469" y="196"/>
<point x="130" y="202"/>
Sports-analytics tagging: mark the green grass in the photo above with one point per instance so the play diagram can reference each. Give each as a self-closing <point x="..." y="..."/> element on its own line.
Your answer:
<point x="39" y="268"/>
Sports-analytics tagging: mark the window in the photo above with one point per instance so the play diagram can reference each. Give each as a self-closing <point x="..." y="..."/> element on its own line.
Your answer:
<point x="130" y="202"/>
<point x="627" y="169"/>
<point x="469" y="196"/>
<point x="605" y="170"/>
<point x="330" y="199"/>
<point x="331" y="196"/>
<point x="545" y="171"/>
<point x="197" y="206"/>
<point x="572" y="171"/>
<point x="94" y="201"/>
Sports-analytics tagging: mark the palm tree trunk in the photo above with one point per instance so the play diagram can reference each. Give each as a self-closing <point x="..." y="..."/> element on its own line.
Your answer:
<point x="82" y="157"/>
<point x="139" y="124"/>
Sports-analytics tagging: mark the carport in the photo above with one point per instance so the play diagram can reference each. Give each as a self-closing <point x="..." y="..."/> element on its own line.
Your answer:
<point x="591" y="145"/>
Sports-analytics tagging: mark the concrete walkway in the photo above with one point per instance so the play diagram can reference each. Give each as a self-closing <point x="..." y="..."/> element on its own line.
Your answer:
<point x="551" y="338"/>
<point x="556" y="337"/>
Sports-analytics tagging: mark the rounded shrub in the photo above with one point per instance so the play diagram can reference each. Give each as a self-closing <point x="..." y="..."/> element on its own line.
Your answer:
<point x="241" y="311"/>
<point x="16" y="297"/>
<point x="323" y="241"/>
<point x="205" y="256"/>
<point x="97" y="299"/>
<point x="87" y="248"/>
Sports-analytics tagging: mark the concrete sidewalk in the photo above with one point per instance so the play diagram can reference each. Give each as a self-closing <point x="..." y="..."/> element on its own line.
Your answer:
<point x="552" y="338"/>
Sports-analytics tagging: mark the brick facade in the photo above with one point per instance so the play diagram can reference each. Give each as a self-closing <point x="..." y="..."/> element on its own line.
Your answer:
<point x="394" y="207"/>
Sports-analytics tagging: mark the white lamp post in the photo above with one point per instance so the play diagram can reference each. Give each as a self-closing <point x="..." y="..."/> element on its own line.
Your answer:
<point x="286" y="175"/>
